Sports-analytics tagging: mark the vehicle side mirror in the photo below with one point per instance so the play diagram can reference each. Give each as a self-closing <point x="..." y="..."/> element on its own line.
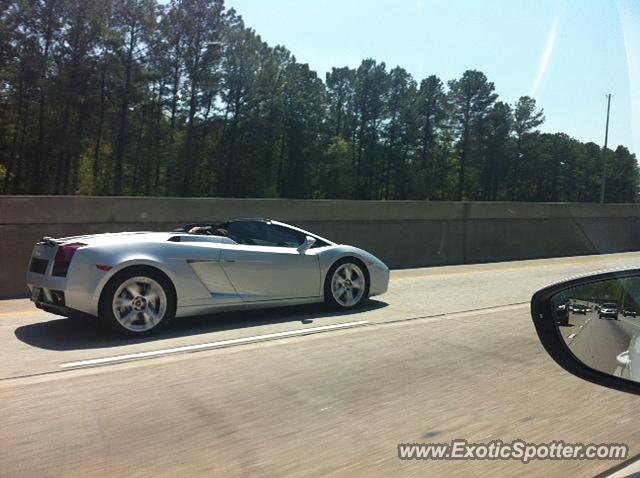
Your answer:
<point x="306" y="245"/>
<point x="590" y="327"/>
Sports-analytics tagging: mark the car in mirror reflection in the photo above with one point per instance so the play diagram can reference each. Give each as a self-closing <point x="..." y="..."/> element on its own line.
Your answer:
<point x="609" y="311"/>
<point x="580" y="309"/>
<point x="561" y="312"/>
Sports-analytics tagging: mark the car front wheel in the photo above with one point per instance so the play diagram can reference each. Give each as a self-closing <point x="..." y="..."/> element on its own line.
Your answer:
<point x="346" y="284"/>
<point x="137" y="302"/>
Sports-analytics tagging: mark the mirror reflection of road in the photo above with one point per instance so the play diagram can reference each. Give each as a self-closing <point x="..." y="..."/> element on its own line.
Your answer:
<point x="596" y="341"/>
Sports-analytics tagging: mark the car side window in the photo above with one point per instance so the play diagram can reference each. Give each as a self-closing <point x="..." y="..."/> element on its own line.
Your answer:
<point x="284" y="237"/>
<point x="252" y="233"/>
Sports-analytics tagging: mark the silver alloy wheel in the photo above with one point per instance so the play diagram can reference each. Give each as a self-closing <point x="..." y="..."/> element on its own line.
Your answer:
<point x="139" y="304"/>
<point x="348" y="284"/>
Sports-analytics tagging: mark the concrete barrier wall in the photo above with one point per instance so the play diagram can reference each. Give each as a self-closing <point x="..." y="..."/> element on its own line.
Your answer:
<point x="402" y="233"/>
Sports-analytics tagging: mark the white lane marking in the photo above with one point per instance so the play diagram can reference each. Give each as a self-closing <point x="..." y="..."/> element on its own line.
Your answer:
<point x="210" y="345"/>
<point x="571" y="336"/>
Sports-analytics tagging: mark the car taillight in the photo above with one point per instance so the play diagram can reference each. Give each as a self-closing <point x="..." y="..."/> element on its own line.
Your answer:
<point x="66" y="251"/>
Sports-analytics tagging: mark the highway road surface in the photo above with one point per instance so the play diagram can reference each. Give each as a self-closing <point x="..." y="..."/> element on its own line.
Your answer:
<point x="448" y="353"/>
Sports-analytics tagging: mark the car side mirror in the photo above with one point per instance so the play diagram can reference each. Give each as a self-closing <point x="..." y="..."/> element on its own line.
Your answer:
<point x="306" y="245"/>
<point x="590" y="327"/>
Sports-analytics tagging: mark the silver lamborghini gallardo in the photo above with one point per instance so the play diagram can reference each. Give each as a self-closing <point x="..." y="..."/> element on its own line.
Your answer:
<point x="136" y="282"/>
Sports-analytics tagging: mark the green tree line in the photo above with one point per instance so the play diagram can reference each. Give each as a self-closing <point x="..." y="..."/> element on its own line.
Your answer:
<point x="135" y="97"/>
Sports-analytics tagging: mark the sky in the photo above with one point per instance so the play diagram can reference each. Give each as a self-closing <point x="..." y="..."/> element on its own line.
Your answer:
<point x="567" y="54"/>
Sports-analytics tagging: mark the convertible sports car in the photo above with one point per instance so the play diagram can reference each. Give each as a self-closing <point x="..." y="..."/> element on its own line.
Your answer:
<point x="137" y="282"/>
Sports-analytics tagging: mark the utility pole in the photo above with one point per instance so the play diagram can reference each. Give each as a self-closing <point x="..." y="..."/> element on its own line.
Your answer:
<point x="604" y="152"/>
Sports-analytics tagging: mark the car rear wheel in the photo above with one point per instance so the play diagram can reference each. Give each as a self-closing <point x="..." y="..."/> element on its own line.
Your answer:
<point x="346" y="285"/>
<point x="137" y="302"/>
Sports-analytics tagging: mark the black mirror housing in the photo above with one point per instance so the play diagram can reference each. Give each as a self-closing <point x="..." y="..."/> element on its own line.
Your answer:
<point x="548" y="314"/>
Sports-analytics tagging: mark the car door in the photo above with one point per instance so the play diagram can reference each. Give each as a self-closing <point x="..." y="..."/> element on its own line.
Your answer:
<point x="202" y="254"/>
<point x="266" y="264"/>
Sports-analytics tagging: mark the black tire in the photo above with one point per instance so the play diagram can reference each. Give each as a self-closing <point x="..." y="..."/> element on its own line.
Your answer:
<point x="105" y="309"/>
<point x="330" y="300"/>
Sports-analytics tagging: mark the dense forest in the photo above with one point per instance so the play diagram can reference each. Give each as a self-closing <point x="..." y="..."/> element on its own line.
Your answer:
<point x="136" y="97"/>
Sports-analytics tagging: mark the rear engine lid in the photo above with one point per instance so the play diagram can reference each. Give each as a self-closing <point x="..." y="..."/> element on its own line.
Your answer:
<point x="107" y="238"/>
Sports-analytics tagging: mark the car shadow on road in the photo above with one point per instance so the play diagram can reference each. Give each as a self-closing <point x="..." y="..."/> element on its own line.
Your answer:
<point x="77" y="334"/>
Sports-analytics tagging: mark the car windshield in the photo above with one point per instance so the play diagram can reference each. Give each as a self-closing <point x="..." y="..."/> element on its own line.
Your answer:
<point x="169" y="170"/>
